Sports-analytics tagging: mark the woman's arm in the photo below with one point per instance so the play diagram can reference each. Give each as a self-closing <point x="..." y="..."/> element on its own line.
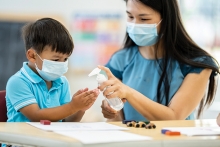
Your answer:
<point x="181" y="106"/>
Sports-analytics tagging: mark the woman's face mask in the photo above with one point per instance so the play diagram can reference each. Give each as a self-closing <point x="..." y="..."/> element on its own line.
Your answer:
<point x="52" y="70"/>
<point x="143" y="34"/>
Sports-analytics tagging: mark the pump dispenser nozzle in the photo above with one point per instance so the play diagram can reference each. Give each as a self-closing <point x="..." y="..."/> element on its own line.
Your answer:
<point x="114" y="103"/>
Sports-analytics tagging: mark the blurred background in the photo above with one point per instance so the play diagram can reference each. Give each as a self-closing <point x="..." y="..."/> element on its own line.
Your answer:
<point x="98" y="29"/>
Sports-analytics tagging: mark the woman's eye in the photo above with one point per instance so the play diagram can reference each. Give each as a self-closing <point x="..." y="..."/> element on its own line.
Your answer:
<point x="131" y="17"/>
<point x="144" y="19"/>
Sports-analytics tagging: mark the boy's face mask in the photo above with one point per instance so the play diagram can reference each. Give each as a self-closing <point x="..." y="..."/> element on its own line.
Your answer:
<point x="143" y="34"/>
<point x="52" y="70"/>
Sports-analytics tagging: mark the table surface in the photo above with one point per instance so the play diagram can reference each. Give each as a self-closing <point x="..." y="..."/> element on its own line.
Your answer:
<point x="25" y="134"/>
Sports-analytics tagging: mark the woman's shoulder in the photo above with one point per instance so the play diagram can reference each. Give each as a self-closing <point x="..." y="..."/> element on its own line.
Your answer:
<point x="206" y="60"/>
<point x="126" y="52"/>
<point x="123" y="56"/>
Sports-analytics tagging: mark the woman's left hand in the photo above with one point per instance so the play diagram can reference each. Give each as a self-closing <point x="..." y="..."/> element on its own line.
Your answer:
<point x="114" y="87"/>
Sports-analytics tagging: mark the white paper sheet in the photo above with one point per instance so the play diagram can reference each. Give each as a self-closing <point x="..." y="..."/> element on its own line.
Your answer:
<point x="77" y="126"/>
<point x="196" y="131"/>
<point x="93" y="137"/>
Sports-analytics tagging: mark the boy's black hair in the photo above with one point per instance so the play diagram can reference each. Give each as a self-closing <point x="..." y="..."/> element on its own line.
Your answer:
<point x="47" y="31"/>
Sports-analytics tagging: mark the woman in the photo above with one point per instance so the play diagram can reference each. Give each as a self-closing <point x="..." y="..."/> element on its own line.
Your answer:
<point x="160" y="73"/>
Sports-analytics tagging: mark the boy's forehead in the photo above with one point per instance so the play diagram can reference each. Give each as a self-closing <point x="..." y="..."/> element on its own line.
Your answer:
<point x="52" y="52"/>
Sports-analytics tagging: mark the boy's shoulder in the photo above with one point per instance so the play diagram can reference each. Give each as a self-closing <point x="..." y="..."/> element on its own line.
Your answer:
<point x="17" y="78"/>
<point x="17" y="81"/>
<point x="25" y="74"/>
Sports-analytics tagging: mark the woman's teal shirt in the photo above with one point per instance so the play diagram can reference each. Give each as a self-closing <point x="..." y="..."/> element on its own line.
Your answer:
<point x="143" y="75"/>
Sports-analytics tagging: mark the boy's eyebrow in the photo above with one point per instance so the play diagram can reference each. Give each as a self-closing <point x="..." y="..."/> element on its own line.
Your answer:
<point x="139" y="14"/>
<point x="55" y="56"/>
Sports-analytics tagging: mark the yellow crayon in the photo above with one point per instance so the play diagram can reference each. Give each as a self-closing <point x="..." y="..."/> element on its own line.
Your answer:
<point x="142" y="124"/>
<point x="129" y="124"/>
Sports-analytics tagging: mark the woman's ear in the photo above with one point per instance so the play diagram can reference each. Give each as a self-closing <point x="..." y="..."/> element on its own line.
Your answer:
<point x="31" y="55"/>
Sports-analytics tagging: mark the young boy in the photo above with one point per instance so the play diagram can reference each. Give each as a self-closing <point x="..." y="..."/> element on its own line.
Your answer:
<point x="39" y="91"/>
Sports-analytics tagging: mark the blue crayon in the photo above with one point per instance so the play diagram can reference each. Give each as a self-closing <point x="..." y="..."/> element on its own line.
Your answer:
<point x="126" y="121"/>
<point x="163" y="131"/>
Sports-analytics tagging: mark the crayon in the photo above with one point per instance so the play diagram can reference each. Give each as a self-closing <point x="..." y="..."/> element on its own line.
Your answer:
<point x="129" y="124"/>
<point x="163" y="131"/>
<point x="171" y="133"/>
<point x="133" y="123"/>
<point x="137" y="125"/>
<point x="45" y="122"/>
<point x="146" y="122"/>
<point x="142" y="124"/>
<point x="150" y="126"/>
<point x="126" y="121"/>
<point x="154" y="126"/>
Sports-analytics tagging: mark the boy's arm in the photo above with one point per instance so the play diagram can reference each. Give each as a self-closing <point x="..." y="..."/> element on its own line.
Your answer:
<point x="78" y="115"/>
<point x="75" y="117"/>
<point x="35" y="114"/>
<point x="82" y="101"/>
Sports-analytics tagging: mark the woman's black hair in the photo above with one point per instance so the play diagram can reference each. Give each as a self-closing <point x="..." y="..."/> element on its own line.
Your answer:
<point x="47" y="32"/>
<point x="178" y="46"/>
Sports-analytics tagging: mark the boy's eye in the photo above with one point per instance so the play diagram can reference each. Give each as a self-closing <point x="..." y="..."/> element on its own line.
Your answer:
<point x="56" y="60"/>
<point x="65" y="59"/>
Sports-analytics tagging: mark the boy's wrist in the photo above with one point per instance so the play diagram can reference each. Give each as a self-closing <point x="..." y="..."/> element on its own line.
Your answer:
<point x="81" y="111"/>
<point x="73" y="108"/>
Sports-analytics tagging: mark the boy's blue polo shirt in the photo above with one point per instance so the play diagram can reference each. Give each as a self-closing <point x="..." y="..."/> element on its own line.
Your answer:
<point x="26" y="87"/>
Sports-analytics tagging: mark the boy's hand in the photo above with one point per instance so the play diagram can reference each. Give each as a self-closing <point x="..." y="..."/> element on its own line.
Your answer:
<point x="84" y="99"/>
<point x="80" y="91"/>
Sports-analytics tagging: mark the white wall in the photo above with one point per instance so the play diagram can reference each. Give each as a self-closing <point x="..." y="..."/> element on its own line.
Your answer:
<point x="63" y="8"/>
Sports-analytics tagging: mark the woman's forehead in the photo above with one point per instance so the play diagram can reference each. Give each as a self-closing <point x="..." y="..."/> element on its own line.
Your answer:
<point x="135" y="6"/>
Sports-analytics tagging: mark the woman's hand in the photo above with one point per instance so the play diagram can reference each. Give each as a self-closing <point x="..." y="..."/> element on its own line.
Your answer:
<point x="114" y="87"/>
<point x="107" y="111"/>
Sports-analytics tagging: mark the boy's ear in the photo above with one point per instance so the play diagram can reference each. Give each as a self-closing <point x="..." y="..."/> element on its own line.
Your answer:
<point x="31" y="55"/>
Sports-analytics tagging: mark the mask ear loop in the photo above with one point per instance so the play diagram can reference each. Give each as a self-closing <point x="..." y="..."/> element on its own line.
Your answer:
<point x="157" y="25"/>
<point x="40" y="59"/>
<point x="39" y="56"/>
<point x="159" y="22"/>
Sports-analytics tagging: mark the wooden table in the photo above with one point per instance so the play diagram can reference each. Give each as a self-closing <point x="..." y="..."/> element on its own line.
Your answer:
<point x="25" y="134"/>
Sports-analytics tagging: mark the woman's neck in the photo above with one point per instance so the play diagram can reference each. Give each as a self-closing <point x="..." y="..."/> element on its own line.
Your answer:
<point x="148" y="52"/>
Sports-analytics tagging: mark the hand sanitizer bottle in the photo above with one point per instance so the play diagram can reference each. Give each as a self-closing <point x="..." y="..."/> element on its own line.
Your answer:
<point x="114" y="103"/>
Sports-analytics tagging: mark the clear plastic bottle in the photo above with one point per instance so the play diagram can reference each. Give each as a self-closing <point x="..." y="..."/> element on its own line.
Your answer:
<point x="114" y="103"/>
